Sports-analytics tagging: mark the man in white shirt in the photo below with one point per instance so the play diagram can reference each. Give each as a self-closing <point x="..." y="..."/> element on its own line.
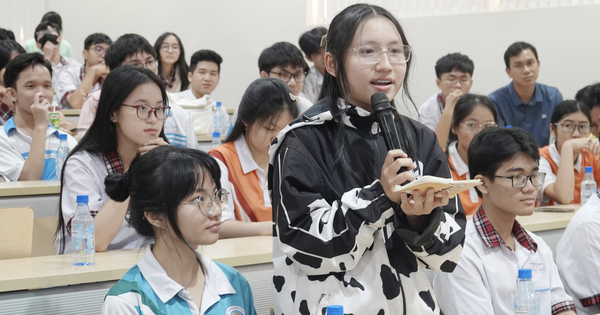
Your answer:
<point x="310" y="43"/>
<point x="496" y="245"/>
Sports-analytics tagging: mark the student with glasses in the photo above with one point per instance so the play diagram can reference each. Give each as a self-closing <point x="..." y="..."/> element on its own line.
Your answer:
<point x="472" y="114"/>
<point x="172" y="67"/>
<point x="175" y="203"/>
<point x="590" y="96"/>
<point x="565" y="160"/>
<point x="75" y="83"/>
<point x="65" y="48"/>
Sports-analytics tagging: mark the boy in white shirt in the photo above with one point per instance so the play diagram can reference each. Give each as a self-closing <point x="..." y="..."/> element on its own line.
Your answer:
<point x="496" y="245"/>
<point x="310" y="43"/>
<point x="28" y="143"/>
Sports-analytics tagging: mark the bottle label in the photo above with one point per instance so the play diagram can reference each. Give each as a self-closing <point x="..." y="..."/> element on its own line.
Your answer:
<point x="91" y="239"/>
<point x="76" y="234"/>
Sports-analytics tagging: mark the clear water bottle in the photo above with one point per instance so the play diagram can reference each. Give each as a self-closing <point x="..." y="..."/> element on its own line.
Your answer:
<point x="61" y="154"/>
<point x="526" y="301"/>
<point x="83" y="234"/>
<point x="335" y="310"/>
<point x="588" y="184"/>
<point x="216" y="140"/>
<point x="218" y="119"/>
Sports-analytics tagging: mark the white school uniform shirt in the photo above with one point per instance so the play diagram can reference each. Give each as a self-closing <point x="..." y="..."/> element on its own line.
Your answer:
<point x="578" y="257"/>
<point x="550" y="176"/>
<point x="15" y="146"/>
<point x="189" y="95"/>
<point x="179" y="128"/>
<point x="430" y="112"/>
<point x="228" y="212"/>
<point x="84" y="175"/>
<point x="57" y="69"/>
<point x="461" y="168"/>
<point x="485" y="279"/>
<point x="69" y="80"/>
<point x="312" y="85"/>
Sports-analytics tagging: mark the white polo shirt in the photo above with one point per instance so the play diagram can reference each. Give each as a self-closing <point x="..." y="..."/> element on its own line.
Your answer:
<point x="69" y="80"/>
<point x="189" y="95"/>
<point x="485" y="279"/>
<point x="430" y="112"/>
<point x="15" y="146"/>
<point x="550" y="176"/>
<point x="57" y="69"/>
<point x="228" y="212"/>
<point x="578" y="257"/>
<point x="312" y="85"/>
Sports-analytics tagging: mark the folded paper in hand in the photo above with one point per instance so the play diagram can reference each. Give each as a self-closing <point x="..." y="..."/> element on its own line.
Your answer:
<point x="438" y="183"/>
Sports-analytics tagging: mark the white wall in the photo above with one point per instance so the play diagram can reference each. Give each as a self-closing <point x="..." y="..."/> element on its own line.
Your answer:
<point x="566" y="38"/>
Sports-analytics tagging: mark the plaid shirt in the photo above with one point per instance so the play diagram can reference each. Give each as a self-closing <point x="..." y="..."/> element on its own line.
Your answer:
<point x="168" y="82"/>
<point x="5" y="112"/>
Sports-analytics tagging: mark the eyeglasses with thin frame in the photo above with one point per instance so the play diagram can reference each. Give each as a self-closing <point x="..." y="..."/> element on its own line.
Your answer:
<point x="150" y="64"/>
<point x="144" y="111"/>
<point x="167" y="47"/>
<point x="570" y="128"/>
<point x="472" y="127"/>
<point x="520" y="180"/>
<point x="370" y="54"/>
<point x="286" y="76"/>
<point x="206" y="203"/>
<point x="99" y="51"/>
<point x="462" y="81"/>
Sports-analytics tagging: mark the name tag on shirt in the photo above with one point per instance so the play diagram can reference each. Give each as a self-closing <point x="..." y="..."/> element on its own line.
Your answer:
<point x="537" y="266"/>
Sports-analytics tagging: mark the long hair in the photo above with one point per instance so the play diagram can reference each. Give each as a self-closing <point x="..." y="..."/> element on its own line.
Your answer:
<point x="181" y="64"/>
<point x="464" y="107"/>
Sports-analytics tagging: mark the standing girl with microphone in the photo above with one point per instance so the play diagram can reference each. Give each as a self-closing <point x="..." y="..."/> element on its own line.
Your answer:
<point x="342" y="235"/>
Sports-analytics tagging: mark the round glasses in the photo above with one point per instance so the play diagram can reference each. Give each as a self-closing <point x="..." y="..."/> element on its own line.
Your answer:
<point x="206" y="203"/>
<point x="519" y="181"/>
<point x="144" y="111"/>
<point x="369" y="54"/>
<point x="166" y="47"/>
<point x="471" y="127"/>
<point x="286" y="76"/>
<point x="150" y="64"/>
<point x="570" y="128"/>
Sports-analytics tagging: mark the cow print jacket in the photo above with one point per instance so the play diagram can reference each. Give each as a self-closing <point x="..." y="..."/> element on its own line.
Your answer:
<point x="337" y="238"/>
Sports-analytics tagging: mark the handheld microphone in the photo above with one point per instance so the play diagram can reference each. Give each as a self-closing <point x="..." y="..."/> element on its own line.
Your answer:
<point x="383" y="110"/>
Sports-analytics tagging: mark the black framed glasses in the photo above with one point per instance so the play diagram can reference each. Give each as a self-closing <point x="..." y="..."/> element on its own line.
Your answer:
<point x="519" y="181"/>
<point x="369" y="54"/>
<point x="568" y="127"/>
<point x="286" y="76"/>
<point x="206" y="203"/>
<point x="144" y="111"/>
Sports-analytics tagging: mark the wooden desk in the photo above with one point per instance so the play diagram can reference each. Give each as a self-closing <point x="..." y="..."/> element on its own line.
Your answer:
<point x="71" y="112"/>
<point x="29" y="188"/>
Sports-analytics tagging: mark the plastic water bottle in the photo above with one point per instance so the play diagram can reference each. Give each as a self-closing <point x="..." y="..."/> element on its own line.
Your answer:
<point x="216" y="140"/>
<point x="526" y="301"/>
<point x="588" y="184"/>
<point x="218" y="119"/>
<point x="61" y="154"/>
<point x="335" y="310"/>
<point x="83" y="234"/>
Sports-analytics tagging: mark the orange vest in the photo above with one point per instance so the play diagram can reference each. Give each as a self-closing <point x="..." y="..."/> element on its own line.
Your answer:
<point x="248" y="193"/>
<point x="469" y="206"/>
<point x="587" y="159"/>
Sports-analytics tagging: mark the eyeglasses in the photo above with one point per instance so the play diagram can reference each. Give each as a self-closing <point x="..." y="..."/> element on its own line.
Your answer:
<point x="41" y="33"/>
<point x="166" y="47"/>
<point x="519" y="181"/>
<point x="583" y="129"/>
<point x="144" y="111"/>
<point x="471" y="127"/>
<point x="462" y="81"/>
<point x="150" y="64"/>
<point x="369" y="54"/>
<point x="99" y="51"/>
<point x="206" y="203"/>
<point x="286" y="76"/>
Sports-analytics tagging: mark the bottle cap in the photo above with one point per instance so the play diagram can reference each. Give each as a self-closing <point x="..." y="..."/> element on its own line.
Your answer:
<point x="82" y="198"/>
<point x="218" y="104"/>
<point x="508" y="126"/>
<point x="589" y="169"/>
<point x="335" y="310"/>
<point x="62" y="136"/>
<point x="216" y="134"/>
<point x="524" y="273"/>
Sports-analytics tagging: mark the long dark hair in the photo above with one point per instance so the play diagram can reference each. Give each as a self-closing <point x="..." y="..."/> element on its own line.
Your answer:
<point x="339" y="38"/>
<point x="264" y="99"/>
<point x="463" y="108"/>
<point x="102" y="136"/>
<point x="181" y="64"/>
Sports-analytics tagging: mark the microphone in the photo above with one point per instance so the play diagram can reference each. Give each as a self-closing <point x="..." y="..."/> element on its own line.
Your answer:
<point x="383" y="110"/>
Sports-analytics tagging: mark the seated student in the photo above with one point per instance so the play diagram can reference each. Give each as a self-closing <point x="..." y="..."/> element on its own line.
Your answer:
<point x="564" y="161"/>
<point x="28" y="142"/>
<point x="577" y="255"/>
<point x="175" y="202"/>
<point x="172" y="68"/>
<point x="454" y="78"/>
<point x="204" y="76"/>
<point x="524" y="102"/>
<point x="65" y="48"/>
<point x="76" y="83"/>
<point x="310" y="43"/>
<point x="472" y="114"/>
<point x="496" y="245"/>
<point x="590" y="96"/>
<point x="9" y="49"/>
<point x="133" y="49"/>
<point x="267" y="106"/>
<point x="131" y="112"/>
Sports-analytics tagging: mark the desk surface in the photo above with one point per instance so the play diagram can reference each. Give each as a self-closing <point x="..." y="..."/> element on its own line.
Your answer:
<point x="29" y="188"/>
<point x="50" y="271"/>
<point x="208" y="138"/>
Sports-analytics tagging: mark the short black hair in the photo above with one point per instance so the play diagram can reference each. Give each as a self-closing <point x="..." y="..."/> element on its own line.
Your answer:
<point x="6" y="49"/>
<point x="589" y="95"/>
<point x="44" y="26"/>
<point x="493" y="146"/>
<point x="568" y="107"/>
<point x="126" y="46"/>
<point x="6" y="34"/>
<point x="310" y="42"/>
<point x="96" y="38"/>
<point x="515" y="49"/>
<point x="53" y="17"/>
<point x="205" y="55"/>
<point x="20" y="63"/>
<point x="281" y="54"/>
<point x="455" y="61"/>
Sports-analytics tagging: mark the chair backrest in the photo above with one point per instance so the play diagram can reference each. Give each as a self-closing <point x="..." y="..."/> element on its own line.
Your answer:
<point x="16" y="232"/>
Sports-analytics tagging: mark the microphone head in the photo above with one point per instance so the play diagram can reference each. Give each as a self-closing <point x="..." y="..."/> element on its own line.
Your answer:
<point x="380" y="102"/>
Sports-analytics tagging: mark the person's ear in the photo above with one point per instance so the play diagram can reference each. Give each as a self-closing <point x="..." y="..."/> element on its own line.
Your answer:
<point x="330" y="65"/>
<point x="264" y="74"/>
<point x="84" y="53"/>
<point x="552" y="129"/>
<point x="113" y="116"/>
<point x="157" y="220"/>
<point x="539" y="62"/>
<point x="190" y="75"/>
<point x="484" y="186"/>
<point x="438" y="82"/>
<point x="12" y="94"/>
<point x="59" y="39"/>
<point x="508" y="72"/>
<point x="308" y="58"/>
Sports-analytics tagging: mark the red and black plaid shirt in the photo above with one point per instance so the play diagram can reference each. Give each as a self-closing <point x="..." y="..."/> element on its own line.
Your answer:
<point x="168" y="82"/>
<point x="5" y="112"/>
